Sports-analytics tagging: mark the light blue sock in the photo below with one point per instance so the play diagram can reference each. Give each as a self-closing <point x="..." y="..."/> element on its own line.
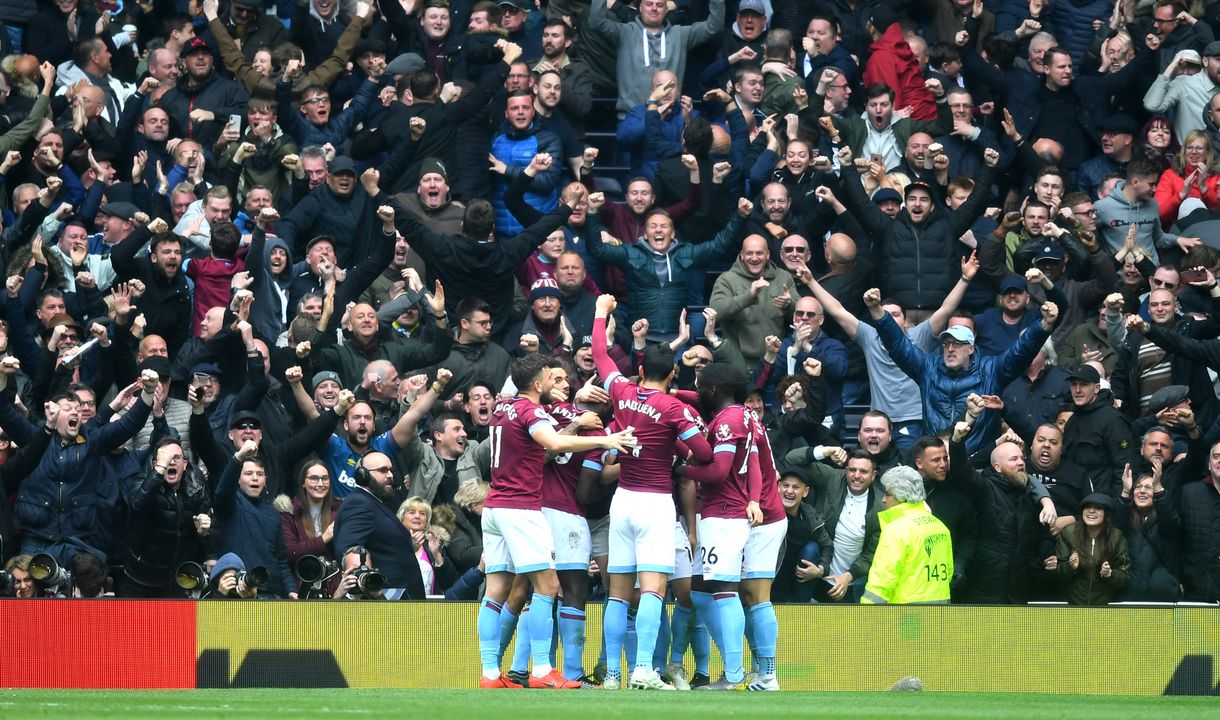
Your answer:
<point x="660" y="651"/>
<point x="680" y="631"/>
<point x="701" y="646"/>
<point x="541" y="622"/>
<point x="521" y="650"/>
<point x="616" y="631"/>
<point x="750" y="639"/>
<point x="766" y="634"/>
<point x="631" y="640"/>
<point x="572" y="630"/>
<point x="647" y="625"/>
<point x="705" y="611"/>
<point x="508" y="626"/>
<point x="489" y="637"/>
<point x="732" y="631"/>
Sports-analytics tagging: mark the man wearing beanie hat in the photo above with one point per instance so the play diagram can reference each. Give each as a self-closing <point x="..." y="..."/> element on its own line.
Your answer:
<point x="432" y="203"/>
<point x="544" y="329"/>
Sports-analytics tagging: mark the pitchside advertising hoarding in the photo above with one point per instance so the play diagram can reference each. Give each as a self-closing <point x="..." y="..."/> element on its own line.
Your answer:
<point x="182" y="644"/>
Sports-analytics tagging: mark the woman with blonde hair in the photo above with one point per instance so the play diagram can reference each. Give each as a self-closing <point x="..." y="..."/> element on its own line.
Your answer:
<point x="428" y="541"/>
<point x="1191" y="176"/>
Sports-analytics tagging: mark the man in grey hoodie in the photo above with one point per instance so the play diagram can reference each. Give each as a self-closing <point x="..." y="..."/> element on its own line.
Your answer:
<point x="1132" y="202"/>
<point x="649" y="44"/>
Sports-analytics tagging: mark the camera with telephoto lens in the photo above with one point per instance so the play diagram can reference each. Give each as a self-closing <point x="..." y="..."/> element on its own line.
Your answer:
<point x="45" y="570"/>
<point x="368" y="580"/>
<point x="191" y="578"/>
<point x="254" y="577"/>
<point x="313" y="569"/>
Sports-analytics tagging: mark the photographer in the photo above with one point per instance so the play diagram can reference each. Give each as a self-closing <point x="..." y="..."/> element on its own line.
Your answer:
<point x="357" y="568"/>
<point x="229" y="579"/>
<point x="367" y="519"/>
<point x="170" y="523"/>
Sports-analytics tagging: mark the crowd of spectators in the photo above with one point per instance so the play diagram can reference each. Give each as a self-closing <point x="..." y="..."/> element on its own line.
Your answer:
<point x="267" y="265"/>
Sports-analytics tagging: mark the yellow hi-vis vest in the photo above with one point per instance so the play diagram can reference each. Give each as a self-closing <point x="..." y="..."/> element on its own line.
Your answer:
<point x="914" y="558"/>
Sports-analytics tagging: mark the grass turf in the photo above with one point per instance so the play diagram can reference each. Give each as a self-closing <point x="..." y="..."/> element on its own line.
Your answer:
<point x="586" y="705"/>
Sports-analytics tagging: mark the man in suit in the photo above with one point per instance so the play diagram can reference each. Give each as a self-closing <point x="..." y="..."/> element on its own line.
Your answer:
<point x="368" y="519"/>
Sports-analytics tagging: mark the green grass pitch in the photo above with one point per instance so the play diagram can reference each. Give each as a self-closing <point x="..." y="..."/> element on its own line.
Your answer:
<point x="587" y="705"/>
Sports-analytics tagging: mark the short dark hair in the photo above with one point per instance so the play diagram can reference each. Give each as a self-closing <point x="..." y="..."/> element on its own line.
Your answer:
<point x="1048" y="58"/>
<point x="438" y="423"/>
<point x="84" y="51"/>
<point x="889" y="424"/>
<point x="468" y="307"/>
<point x="424" y="83"/>
<point x="728" y="380"/>
<point x="658" y="362"/>
<point x="164" y="238"/>
<point x="922" y="444"/>
<point x="479" y="220"/>
<point x="944" y="52"/>
<point x="568" y="32"/>
<point x="778" y="44"/>
<point x="860" y="454"/>
<point x="1141" y="166"/>
<point x="746" y="69"/>
<point x="876" y="90"/>
<point x="525" y="370"/>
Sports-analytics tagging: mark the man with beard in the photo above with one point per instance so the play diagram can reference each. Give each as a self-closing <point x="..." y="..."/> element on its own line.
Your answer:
<point x="166" y="302"/>
<point x="576" y="100"/>
<point x="1097" y="437"/>
<point x="475" y="356"/>
<point x="367" y="519"/>
<point x="548" y="94"/>
<point x="342" y="454"/>
<point x="998" y="328"/>
<point x="1187" y="95"/>
<point x="930" y="458"/>
<point x="1014" y="551"/>
<point x="200" y="104"/>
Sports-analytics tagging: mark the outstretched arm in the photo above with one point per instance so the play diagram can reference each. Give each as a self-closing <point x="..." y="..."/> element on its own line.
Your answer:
<point x="405" y="428"/>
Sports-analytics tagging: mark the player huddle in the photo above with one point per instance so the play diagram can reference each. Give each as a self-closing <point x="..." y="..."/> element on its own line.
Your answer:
<point x="676" y="487"/>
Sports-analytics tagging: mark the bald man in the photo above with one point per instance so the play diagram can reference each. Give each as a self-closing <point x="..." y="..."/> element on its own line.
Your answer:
<point x="752" y="299"/>
<point x="1015" y="552"/>
<point x="367" y="519"/>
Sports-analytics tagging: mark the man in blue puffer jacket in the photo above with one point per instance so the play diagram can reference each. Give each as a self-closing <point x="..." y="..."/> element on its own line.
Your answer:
<point x="948" y="377"/>
<point x="512" y="150"/>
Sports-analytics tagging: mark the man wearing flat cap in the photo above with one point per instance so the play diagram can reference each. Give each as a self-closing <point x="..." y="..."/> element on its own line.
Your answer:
<point x="1097" y="437"/>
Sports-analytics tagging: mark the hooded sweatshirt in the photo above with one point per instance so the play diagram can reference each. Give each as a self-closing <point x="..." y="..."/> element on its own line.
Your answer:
<point x="892" y="62"/>
<point x="1115" y="214"/>
<point x="269" y="314"/>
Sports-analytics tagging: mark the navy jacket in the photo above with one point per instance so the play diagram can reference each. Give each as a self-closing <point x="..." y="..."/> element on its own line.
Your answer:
<point x="365" y="520"/>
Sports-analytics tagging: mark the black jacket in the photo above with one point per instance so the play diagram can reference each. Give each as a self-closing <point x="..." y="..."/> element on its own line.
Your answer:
<point x="807" y="525"/>
<point x="221" y="96"/>
<point x="954" y="509"/>
<point x="166" y="303"/>
<point x="163" y="527"/>
<point x="366" y="520"/>
<point x="1098" y="439"/>
<point x="1199" y="509"/>
<point x="1155" y="552"/>
<point x="919" y="262"/>
<point x="1012" y="545"/>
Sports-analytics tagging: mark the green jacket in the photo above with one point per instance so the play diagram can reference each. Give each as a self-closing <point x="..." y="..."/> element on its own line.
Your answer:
<point x="746" y="319"/>
<point x="914" y="558"/>
<point x="853" y="129"/>
<point x="1085" y="585"/>
<point x="661" y="302"/>
<point x="426" y="469"/>
<point x="406" y="354"/>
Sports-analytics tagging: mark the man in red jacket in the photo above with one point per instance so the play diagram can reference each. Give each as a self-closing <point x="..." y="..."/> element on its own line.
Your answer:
<point x="892" y="62"/>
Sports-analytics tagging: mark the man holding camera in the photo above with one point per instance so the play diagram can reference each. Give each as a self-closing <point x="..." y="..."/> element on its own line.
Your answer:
<point x="367" y="520"/>
<point x="230" y="579"/>
<point x="360" y="579"/>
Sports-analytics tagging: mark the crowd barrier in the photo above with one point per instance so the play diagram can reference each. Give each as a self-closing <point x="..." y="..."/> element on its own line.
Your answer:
<point x="216" y="644"/>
